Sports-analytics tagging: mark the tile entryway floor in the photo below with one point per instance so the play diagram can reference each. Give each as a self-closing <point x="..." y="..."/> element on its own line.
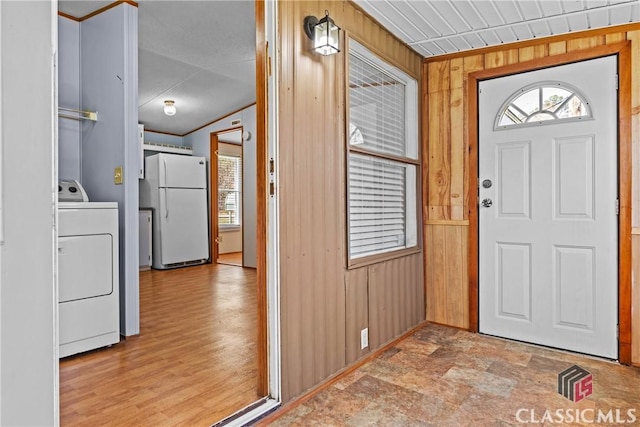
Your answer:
<point x="441" y="376"/>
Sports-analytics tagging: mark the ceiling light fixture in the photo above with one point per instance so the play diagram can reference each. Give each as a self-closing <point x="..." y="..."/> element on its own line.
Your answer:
<point x="324" y="33"/>
<point x="169" y="107"/>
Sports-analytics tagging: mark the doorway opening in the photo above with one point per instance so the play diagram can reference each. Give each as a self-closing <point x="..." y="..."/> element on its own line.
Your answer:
<point x="623" y="104"/>
<point x="230" y="176"/>
<point x="202" y="351"/>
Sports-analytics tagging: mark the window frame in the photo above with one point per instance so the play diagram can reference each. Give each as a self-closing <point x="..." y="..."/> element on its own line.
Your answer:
<point x="412" y="133"/>
<point x="232" y="227"/>
<point x="575" y="92"/>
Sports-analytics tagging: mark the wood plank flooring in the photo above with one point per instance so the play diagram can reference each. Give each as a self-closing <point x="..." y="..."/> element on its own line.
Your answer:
<point x="193" y="364"/>
<point x="232" y="258"/>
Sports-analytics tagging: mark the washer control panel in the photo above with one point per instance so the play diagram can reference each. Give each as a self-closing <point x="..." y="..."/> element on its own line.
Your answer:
<point x="71" y="191"/>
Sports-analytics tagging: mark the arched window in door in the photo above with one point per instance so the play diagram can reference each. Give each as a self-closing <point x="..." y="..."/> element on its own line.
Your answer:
<point x="543" y="103"/>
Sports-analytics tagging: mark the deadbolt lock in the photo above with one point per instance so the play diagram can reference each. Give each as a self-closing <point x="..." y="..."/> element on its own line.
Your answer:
<point x="487" y="183"/>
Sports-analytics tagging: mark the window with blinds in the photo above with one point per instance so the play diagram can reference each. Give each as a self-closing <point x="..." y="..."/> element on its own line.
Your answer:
<point x="229" y="191"/>
<point x="383" y="156"/>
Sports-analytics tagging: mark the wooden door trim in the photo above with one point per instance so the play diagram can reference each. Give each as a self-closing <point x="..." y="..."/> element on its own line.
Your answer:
<point x="213" y="185"/>
<point x="262" y="74"/>
<point x="214" y="149"/>
<point x="623" y="52"/>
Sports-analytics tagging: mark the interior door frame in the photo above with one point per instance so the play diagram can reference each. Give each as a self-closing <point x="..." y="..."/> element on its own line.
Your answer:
<point x="214" y="148"/>
<point x="623" y="53"/>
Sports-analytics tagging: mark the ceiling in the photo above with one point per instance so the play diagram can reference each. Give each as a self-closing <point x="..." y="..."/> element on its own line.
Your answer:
<point x="201" y="54"/>
<point x="436" y="27"/>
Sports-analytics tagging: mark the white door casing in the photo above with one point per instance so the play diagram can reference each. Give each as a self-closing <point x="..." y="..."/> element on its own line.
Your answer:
<point x="548" y="243"/>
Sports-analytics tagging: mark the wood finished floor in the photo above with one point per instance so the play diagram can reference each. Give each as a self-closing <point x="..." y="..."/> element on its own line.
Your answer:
<point x="441" y="376"/>
<point x="193" y="363"/>
<point x="232" y="258"/>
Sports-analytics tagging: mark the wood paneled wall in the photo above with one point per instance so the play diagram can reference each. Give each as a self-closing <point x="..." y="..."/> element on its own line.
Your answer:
<point x="323" y="305"/>
<point x="445" y="185"/>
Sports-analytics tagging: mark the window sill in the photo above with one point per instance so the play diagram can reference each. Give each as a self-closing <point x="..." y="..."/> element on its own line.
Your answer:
<point x="377" y="259"/>
<point x="228" y="228"/>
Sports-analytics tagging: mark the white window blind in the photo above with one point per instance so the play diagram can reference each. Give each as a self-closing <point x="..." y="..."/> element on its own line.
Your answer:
<point x="229" y="190"/>
<point x="382" y="191"/>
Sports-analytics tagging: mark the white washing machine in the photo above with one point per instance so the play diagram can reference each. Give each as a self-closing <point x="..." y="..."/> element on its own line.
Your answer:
<point x="88" y="283"/>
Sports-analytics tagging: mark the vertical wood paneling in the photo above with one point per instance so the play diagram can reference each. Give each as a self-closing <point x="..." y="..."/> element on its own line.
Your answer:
<point x="439" y="202"/>
<point x="447" y="277"/>
<point x="357" y="311"/>
<point x="318" y="294"/>
<point x="530" y="53"/>
<point x="615" y="38"/>
<point x="557" y="48"/>
<point x="438" y="76"/>
<point x="500" y="58"/>
<point x="457" y="154"/>
<point x="396" y="295"/>
<point x="584" y="43"/>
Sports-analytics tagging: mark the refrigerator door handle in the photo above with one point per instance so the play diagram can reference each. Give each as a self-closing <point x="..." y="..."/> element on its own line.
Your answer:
<point x="166" y="204"/>
<point x="166" y="181"/>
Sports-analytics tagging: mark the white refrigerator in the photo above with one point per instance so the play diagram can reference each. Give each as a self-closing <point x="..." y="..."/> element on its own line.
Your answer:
<point x="175" y="188"/>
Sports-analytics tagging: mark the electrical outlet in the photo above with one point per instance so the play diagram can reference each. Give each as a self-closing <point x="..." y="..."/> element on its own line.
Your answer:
<point x="364" y="338"/>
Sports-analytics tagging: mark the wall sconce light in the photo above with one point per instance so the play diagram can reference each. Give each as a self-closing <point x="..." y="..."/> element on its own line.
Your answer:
<point x="324" y="33"/>
<point x="169" y="107"/>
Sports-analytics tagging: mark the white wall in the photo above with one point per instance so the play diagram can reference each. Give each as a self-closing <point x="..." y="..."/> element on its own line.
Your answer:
<point x="200" y="141"/>
<point x="69" y="153"/>
<point x="162" y="138"/>
<point x="28" y="292"/>
<point x="109" y="82"/>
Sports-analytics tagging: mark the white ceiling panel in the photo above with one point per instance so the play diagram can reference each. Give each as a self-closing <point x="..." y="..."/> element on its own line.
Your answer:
<point x="559" y="25"/>
<point x="509" y="11"/>
<point x="529" y="9"/>
<point x="470" y="14"/>
<point x="550" y="8"/>
<point x="435" y="27"/>
<point x="572" y="5"/>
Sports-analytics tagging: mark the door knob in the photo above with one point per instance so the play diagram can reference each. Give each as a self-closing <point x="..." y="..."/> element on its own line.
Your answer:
<point x="487" y="203"/>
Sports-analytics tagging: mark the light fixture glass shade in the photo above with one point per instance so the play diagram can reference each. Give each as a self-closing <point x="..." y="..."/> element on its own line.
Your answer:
<point x="169" y="107"/>
<point x="326" y="36"/>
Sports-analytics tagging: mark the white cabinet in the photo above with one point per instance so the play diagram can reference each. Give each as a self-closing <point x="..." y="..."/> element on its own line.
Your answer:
<point x="145" y="239"/>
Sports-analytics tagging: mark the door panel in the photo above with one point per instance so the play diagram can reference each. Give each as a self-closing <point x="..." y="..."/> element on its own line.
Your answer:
<point x="573" y="284"/>
<point x="514" y="175"/>
<point x="548" y="241"/>
<point x="183" y="217"/>
<point x="514" y="281"/>
<point x="176" y="171"/>
<point x="95" y="253"/>
<point x="573" y="177"/>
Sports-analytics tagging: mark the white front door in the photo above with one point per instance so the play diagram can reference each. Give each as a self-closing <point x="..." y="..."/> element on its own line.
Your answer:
<point x="548" y="208"/>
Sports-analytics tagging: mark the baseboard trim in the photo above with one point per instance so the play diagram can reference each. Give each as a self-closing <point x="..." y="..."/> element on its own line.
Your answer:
<point x="289" y="406"/>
